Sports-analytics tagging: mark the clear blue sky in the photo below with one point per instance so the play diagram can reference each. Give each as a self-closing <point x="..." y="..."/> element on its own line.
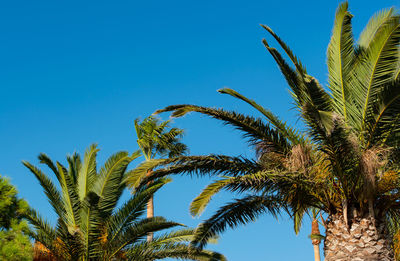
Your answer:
<point x="74" y="73"/>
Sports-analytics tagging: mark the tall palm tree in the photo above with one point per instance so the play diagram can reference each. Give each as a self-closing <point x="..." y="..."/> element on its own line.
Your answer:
<point x="157" y="139"/>
<point x="89" y="224"/>
<point x="345" y="162"/>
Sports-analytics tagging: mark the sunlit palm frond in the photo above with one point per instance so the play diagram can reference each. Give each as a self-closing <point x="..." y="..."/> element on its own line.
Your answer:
<point x="87" y="171"/>
<point x="340" y="59"/>
<point x="51" y="191"/>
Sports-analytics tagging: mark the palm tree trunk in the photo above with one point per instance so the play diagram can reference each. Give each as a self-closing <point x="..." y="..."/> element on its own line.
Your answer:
<point x="365" y="239"/>
<point x="317" y="256"/>
<point x="315" y="241"/>
<point x="150" y="210"/>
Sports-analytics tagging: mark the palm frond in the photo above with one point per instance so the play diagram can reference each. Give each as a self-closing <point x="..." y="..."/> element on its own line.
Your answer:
<point x="211" y="165"/>
<point x="239" y="212"/>
<point x="374" y="25"/>
<point x="51" y="191"/>
<point x="378" y="67"/>
<point x="69" y="196"/>
<point x="296" y="62"/>
<point x="306" y="90"/>
<point x="109" y="185"/>
<point x="254" y="129"/>
<point x="133" y="208"/>
<point x="252" y="183"/>
<point x="87" y="172"/>
<point x="286" y="131"/>
<point x="134" y="177"/>
<point x="340" y="60"/>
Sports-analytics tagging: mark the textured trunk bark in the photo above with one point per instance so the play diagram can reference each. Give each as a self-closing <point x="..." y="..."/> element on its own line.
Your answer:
<point x="366" y="240"/>
<point x="150" y="210"/>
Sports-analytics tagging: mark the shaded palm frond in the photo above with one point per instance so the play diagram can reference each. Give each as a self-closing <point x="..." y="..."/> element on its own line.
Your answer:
<point x="286" y="131"/>
<point x="239" y="212"/>
<point x="211" y="165"/>
<point x="254" y="129"/>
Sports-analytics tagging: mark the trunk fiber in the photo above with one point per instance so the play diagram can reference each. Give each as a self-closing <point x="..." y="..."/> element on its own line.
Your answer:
<point x="365" y="240"/>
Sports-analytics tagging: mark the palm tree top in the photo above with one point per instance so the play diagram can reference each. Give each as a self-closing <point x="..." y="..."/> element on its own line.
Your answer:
<point x="347" y="156"/>
<point x="158" y="138"/>
<point x="90" y="226"/>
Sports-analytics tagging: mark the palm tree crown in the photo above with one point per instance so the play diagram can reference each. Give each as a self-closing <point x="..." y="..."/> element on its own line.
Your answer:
<point x="157" y="138"/>
<point x="345" y="162"/>
<point x="89" y="224"/>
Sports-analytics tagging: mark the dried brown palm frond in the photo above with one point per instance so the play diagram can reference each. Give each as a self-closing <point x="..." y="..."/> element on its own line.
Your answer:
<point x="299" y="158"/>
<point x="390" y="180"/>
<point x="42" y="253"/>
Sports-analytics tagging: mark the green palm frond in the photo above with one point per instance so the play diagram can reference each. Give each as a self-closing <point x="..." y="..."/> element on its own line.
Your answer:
<point x="374" y="25"/>
<point x="255" y="130"/>
<point x="87" y="171"/>
<point x="378" y="67"/>
<point x="211" y="165"/>
<point x="298" y="219"/>
<point x="253" y="183"/>
<point x="134" y="177"/>
<point x="199" y="204"/>
<point x="51" y="191"/>
<point x="133" y="208"/>
<point x="69" y="196"/>
<point x="295" y="60"/>
<point x="172" y="245"/>
<point x="239" y="212"/>
<point x="286" y="131"/>
<point x="109" y="184"/>
<point x="137" y="231"/>
<point x="149" y="251"/>
<point x="36" y="220"/>
<point x="383" y="126"/>
<point x="306" y="90"/>
<point x="340" y="60"/>
<point x="74" y="164"/>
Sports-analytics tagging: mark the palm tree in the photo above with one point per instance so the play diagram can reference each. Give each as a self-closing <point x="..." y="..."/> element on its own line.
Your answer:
<point x="157" y="139"/>
<point x="345" y="163"/>
<point x="89" y="224"/>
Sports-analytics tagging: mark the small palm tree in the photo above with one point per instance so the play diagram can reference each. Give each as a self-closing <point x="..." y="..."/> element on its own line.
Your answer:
<point x="345" y="163"/>
<point x="157" y="139"/>
<point x="89" y="224"/>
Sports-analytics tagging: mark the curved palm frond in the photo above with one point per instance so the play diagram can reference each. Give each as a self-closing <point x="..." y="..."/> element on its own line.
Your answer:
<point x="340" y="60"/>
<point x="254" y="129"/>
<point x="378" y="67"/>
<point x="286" y="131"/>
<point x="87" y="171"/>
<point x="211" y="165"/>
<point x="51" y="191"/>
<point x="239" y="212"/>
